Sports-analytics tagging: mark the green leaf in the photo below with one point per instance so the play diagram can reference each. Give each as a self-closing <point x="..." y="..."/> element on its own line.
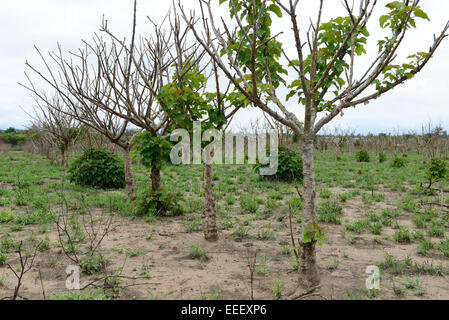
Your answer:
<point x="421" y="14"/>
<point x="396" y="5"/>
<point x="383" y="20"/>
<point x="274" y="8"/>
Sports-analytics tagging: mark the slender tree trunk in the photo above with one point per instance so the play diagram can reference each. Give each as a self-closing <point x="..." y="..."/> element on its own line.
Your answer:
<point x="155" y="178"/>
<point x="67" y="159"/>
<point x="63" y="158"/>
<point x="308" y="269"/>
<point x="65" y="155"/>
<point x="210" y="217"/>
<point x="130" y="193"/>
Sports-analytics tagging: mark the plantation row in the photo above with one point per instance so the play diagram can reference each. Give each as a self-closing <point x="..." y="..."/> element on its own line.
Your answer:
<point x="52" y="217"/>
<point x="131" y="94"/>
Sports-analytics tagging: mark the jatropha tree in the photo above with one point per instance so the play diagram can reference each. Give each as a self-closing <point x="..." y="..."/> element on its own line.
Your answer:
<point x="59" y="129"/>
<point x="86" y="94"/>
<point x="323" y="78"/>
<point x="188" y="101"/>
<point x="113" y="79"/>
<point x="87" y="112"/>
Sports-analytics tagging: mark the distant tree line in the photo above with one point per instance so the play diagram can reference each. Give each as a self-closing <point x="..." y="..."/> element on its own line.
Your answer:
<point x="13" y="136"/>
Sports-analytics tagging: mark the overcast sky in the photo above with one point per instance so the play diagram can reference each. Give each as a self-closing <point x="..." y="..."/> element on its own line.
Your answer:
<point x="25" y="23"/>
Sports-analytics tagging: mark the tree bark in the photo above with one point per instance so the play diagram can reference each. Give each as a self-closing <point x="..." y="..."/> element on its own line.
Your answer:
<point x="67" y="158"/>
<point x="130" y="193"/>
<point x="65" y="155"/>
<point x="210" y="217"/>
<point x="155" y="178"/>
<point x="308" y="269"/>
<point x="63" y="159"/>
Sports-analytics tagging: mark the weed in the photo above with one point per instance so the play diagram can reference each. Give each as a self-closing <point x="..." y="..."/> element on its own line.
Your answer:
<point x="214" y="295"/>
<point x="79" y="295"/>
<point x="240" y="233"/>
<point x="230" y="199"/>
<point x="444" y="247"/>
<point x="402" y="235"/>
<point x="93" y="263"/>
<point x="3" y="258"/>
<point x="248" y="203"/>
<point x="196" y="252"/>
<point x="334" y="264"/>
<point x="266" y="233"/>
<point x="424" y="247"/>
<point x="325" y="193"/>
<point x="359" y="226"/>
<point x="44" y="245"/>
<point x="407" y="203"/>
<point x="399" y="162"/>
<point x="330" y="211"/>
<point x="276" y="289"/>
<point x="436" y="228"/>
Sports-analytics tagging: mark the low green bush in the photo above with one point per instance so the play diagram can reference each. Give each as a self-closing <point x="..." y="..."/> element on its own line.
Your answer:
<point x="289" y="166"/>
<point x="399" y="162"/>
<point x="158" y="203"/>
<point x="98" y="168"/>
<point x="13" y="138"/>
<point x="436" y="169"/>
<point x="362" y="156"/>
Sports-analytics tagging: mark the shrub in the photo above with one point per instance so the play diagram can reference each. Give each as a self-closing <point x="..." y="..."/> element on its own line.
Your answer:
<point x="436" y="169"/>
<point x="158" y="203"/>
<point x="289" y="166"/>
<point x="98" y="168"/>
<point x="362" y="156"/>
<point x="399" y="162"/>
<point x="13" y="138"/>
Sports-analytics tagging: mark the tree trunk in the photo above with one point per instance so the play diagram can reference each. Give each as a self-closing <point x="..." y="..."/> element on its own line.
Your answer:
<point x="63" y="159"/>
<point x="155" y="178"/>
<point x="308" y="269"/>
<point x="67" y="158"/>
<point x="210" y="217"/>
<point x="65" y="155"/>
<point x="130" y="193"/>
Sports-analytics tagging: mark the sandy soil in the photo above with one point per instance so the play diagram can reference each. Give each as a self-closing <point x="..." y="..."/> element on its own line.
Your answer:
<point x="163" y="250"/>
